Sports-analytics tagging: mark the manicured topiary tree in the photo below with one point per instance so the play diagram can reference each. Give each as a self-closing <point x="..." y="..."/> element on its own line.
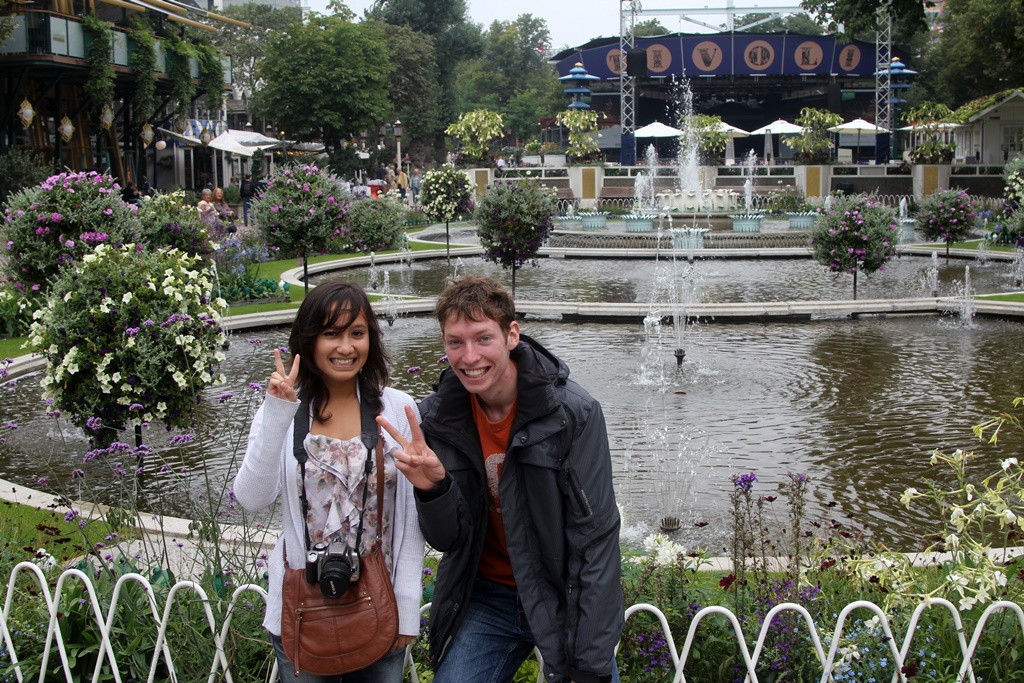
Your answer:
<point x="857" y="234"/>
<point x="514" y="218"/>
<point x="946" y="216"/>
<point x="582" y="127"/>
<point x="445" y="195"/>
<point x="302" y="209"/>
<point x="475" y="130"/>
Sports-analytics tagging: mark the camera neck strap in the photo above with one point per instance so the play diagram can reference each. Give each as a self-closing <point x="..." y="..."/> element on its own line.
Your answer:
<point x="372" y="442"/>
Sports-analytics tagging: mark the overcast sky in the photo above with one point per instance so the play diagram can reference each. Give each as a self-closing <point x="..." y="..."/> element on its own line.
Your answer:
<point x="574" y="22"/>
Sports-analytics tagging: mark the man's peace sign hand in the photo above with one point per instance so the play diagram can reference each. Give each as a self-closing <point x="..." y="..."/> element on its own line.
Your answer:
<point x="282" y="384"/>
<point x="414" y="458"/>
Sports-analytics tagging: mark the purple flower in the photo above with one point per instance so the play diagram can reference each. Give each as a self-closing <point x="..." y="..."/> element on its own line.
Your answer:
<point x="413" y="368"/>
<point x="744" y="482"/>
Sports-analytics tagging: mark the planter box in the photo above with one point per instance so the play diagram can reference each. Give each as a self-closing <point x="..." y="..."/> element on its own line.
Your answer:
<point x="688" y="238"/>
<point x="801" y="221"/>
<point x="531" y="160"/>
<point x="595" y="222"/>
<point x="746" y="223"/>
<point x="569" y="222"/>
<point x="554" y="160"/>
<point x="638" y="223"/>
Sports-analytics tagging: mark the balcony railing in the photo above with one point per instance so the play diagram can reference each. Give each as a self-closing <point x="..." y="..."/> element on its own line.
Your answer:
<point x="46" y="33"/>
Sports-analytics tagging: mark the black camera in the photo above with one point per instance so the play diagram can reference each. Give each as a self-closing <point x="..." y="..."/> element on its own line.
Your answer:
<point x="334" y="566"/>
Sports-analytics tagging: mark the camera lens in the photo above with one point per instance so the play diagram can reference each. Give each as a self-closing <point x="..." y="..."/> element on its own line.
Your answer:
<point x="335" y="576"/>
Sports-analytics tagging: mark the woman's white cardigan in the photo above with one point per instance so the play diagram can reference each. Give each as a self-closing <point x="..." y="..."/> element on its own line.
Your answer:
<point x="269" y="462"/>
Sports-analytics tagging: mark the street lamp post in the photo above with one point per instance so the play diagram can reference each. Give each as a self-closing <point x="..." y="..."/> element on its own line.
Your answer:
<point x="397" y="128"/>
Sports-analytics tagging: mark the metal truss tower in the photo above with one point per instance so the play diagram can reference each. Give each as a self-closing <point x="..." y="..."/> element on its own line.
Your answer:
<point x="627" y="84"/>
<point x="883" y="79"/>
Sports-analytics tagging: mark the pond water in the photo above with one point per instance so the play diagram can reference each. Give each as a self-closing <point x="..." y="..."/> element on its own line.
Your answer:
<point x="716" y="280"/>
<point x="858" y="405"/>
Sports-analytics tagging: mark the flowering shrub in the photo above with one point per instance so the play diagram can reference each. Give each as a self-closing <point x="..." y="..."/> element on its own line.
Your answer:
<point x="16" y="308"/>
<point x="445" y="195"/>
<point x="129" y="336"/>
<point x="169" y="221"/>
<point x="856" y="234"/>
<point x="237" y="274"/>
<point x="1013" y="176"/>
<point x="374" y="225"/>
<point x="58" y="221"/>
<point x="946" y="216"/>
<point x="301" y="210"/>
<point x="515" y="217"/>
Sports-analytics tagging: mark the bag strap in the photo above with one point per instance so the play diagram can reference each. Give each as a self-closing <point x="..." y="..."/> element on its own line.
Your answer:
<point x="372" y="442"/>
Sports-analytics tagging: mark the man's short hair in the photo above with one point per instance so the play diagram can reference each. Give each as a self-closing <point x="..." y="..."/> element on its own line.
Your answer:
<point x="476" y="298"/>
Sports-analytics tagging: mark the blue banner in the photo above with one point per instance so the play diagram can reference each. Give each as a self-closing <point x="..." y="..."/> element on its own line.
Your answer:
<point x="741" y="54"/>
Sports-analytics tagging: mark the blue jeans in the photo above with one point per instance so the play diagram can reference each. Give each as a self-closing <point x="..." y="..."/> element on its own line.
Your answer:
<point x="245" y="210"/>
<point x="493" y="640"/>
<point x="387" y="670"/>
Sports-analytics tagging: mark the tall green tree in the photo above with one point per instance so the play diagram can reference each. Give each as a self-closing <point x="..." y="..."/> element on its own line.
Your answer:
<point x="456" y="38"/>
<point x="325" y="79"/>
<point x="649" y="27"/>
<point x="859" y="17"/>
<point x="515" y="55"/>
<point x="412" y="87"/>
<point x="980" y="51"/>
<point x="248" y="46"/>
<point x="801" y="23"/>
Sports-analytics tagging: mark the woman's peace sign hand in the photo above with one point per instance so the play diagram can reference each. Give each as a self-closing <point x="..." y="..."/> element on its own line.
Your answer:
<point x="282" y="384"/>
<point x="414" y="458"/>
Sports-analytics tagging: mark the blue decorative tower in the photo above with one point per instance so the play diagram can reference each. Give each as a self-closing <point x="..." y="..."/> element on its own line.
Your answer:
<point x="578" y="79"/>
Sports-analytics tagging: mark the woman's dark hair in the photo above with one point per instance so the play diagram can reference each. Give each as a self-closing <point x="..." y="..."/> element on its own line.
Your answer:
<point x="336" y="304"/>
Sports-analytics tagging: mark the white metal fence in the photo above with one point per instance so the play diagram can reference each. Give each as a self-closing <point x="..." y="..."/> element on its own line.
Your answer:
<point x="108" y="665"/>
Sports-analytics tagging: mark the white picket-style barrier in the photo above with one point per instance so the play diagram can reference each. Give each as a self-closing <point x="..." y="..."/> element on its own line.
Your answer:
<point x="219" y="665"/>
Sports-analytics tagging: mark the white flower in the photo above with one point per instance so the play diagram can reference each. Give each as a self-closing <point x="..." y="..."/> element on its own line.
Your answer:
<point x="1007" y="516"/>
<point x="126" y="298"/>
<point x="907" y="496"/>
<point x="952" y="541"/>
<point x="1008" y="462"/>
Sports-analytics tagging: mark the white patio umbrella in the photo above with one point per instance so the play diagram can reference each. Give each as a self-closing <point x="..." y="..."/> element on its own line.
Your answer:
<point x="733" y="133"/>
<point x="857" y="126"/>
<point x="732" y="130"/>
<point x="776" y="127"/>
<point x="657" y="130"/>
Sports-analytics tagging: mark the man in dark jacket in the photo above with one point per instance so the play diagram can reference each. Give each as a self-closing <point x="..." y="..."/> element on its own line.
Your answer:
<point x="514" y="485"/>
<point x="247" y="190"/>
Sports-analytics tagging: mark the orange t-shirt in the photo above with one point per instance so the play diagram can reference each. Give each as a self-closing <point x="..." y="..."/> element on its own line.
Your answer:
<point x="494" y="436"/>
